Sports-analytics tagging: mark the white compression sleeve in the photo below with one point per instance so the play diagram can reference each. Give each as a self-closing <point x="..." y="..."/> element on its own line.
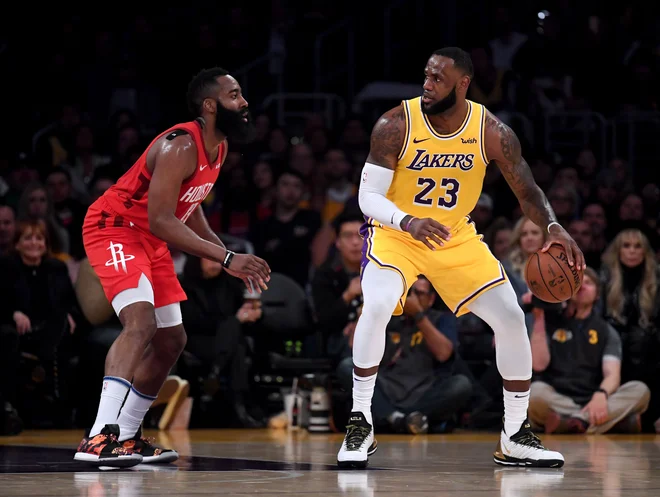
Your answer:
<point x="376" y="180"/>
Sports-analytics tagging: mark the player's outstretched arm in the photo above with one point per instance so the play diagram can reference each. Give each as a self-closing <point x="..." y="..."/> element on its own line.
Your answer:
<point x="387" y="139"/>
<point x="173" y="162"/>
<point x="503" y="146"/>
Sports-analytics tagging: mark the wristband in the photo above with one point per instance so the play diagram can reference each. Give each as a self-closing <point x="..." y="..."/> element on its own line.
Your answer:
<point x="607" y="395"/>
<point x="553" y="222"/>
<point x="228" y="257"/>
<point x="408" y="224"/>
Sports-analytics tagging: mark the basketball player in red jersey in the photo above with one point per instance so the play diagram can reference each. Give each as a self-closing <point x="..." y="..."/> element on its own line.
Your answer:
<point x="126" y="235"/>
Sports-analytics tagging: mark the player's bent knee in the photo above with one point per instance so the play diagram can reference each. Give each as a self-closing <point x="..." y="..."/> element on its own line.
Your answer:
<point x="177" y="339"/>
<point x="142" y="293"/>
<point x="139" y="320"/>
<point x="169" y="315"/>
<point x="381" y="307"/>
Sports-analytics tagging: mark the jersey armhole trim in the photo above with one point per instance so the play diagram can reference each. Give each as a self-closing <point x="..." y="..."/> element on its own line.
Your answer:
<point x="406" y="140"/>
<point x="482" y="126"/>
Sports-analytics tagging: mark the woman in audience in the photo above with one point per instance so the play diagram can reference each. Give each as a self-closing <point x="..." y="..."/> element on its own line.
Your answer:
<point x="498" y="237"/>
<point x="526" y="239"/>
<point x="632" y="305"/>
<point x="36" y="318"/>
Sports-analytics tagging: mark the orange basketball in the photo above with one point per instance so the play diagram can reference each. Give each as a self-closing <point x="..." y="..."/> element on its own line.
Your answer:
<point x="550" y="278"/>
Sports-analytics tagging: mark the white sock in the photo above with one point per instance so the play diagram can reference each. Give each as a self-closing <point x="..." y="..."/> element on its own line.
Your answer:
<point x="112" y="397"/>
<point x="363" y="391"/>
<point x="515" y="410"/>
<point x="132" y="414"/>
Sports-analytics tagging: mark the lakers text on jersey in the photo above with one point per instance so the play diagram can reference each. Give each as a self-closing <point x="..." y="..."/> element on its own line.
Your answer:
<point x="441" y="177"/>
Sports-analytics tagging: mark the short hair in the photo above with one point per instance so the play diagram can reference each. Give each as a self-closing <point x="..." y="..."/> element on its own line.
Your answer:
<point x="201" y="86"/>
<point x="59" y="170"/>
<point x="461" y="58"/>
<point x="38" y="226"/>
<point x="595" y="278"/>
<point x="347" y="215"/>
<point x="290" y="172"/>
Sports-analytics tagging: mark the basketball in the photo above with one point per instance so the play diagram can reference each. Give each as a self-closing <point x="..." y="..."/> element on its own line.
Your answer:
<point x="550" y="278"/>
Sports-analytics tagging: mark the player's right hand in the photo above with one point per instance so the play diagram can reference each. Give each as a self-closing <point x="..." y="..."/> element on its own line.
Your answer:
<point x="251" y="269"/>
<point x="428" y="230"/>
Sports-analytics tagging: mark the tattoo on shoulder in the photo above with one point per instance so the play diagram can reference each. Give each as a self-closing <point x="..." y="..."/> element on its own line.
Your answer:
<point x="509" y="145"/>
<point x="387" y="137"/>
<point x="505" y="149"/>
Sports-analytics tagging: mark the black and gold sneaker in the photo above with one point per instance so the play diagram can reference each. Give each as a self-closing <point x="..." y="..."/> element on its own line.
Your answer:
<point x="359" y="443"/>
<point x="525" y="449"/>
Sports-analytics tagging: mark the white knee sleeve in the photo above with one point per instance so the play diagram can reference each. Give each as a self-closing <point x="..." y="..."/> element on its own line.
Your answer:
<point x="169" y="315"/>
<point x="499" y="308"/>
<point x="144" y="292"/>
<point x="381" y="290"/>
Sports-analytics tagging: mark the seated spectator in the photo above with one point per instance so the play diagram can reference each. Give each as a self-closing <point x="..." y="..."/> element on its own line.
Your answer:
<point x="527" y="238"/>
<point x="416" y="386"/>
<point x="632" y="305"/>
<point x="285" y="237"/>
<point x="578" y="355"/>
<point x="69" y="211"/>
<point x="498" y="237"/>
<point x="35" y="204"/>
<point x="37" y="313"/>
<point x="336" y="289"/>
<point x="7" y="229"/>
<point x="581" y="232"/>
<point x="215" y="315"/>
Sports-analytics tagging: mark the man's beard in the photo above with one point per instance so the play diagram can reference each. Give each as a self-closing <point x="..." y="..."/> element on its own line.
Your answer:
<point x="443" y="105"/>
<point x="232" y="125"/>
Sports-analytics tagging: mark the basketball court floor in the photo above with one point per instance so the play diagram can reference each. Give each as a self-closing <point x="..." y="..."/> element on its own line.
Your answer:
<point x="274" y="463"/>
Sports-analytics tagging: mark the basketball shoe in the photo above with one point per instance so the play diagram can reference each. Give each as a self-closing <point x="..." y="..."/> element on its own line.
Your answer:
<point x="150" y="453"/>
<point x="104" y="449"/>
<point x="525" y="449"/>
<point x="359" y="443"/>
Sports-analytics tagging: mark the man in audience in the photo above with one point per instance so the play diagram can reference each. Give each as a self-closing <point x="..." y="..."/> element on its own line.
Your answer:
<point x="417" y="388"/>
<point x="7" y="229"/>
<point x="285" y="237"/>
<point x="578" y="355"/>
<point x="336" y="287"/>
<point x="581" y="233"/>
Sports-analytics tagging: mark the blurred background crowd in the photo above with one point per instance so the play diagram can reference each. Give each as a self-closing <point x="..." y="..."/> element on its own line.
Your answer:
<point x="579" y="83"/>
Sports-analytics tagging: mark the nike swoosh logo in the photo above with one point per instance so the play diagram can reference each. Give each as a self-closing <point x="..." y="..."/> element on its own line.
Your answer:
<point x="201" y="168"/>
<point x="415" y="140"/>
<point x="521" y="396"/>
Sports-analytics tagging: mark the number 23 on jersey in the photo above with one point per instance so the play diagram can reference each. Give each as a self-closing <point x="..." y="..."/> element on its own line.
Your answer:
<point x="444" y="196"/>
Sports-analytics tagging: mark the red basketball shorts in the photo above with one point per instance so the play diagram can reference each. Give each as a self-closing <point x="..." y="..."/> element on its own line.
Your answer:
<point x="120" y="254"/>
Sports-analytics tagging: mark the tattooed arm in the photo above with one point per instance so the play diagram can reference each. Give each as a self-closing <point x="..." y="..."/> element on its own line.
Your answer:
<point x="503" y="147"/>
<point x="387" y="139"/>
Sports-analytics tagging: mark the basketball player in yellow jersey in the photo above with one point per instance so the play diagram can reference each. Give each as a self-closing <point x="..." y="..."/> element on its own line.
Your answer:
<point x="423" y="176"/>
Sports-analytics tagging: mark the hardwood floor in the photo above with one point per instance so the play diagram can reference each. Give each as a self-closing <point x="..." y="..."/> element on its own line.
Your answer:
<point x="262" y="462"/>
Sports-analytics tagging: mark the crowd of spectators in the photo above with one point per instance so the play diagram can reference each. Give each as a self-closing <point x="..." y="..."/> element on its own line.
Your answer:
<point x="292" y="196"/>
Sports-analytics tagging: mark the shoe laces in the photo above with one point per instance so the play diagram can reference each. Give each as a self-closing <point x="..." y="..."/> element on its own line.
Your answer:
<point x="530" y="439"/>
<point x="355" y="436"/>
<point x="112" y="437"/>
<point x="148" y="440"/>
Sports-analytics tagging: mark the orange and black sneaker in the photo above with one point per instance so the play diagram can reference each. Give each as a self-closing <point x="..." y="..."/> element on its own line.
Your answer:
<point x="149" y="452"/>
<point x="105" y="449"/>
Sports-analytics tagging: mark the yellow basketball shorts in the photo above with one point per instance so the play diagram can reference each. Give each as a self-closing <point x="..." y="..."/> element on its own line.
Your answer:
<point x="459" y="271"/>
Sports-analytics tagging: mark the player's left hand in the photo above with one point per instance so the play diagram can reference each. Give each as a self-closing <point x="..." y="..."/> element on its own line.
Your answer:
<point x="560" y="236"/>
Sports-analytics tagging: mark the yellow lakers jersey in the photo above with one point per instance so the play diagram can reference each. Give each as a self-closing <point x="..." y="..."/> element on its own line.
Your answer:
<point x="440" y="176"/>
